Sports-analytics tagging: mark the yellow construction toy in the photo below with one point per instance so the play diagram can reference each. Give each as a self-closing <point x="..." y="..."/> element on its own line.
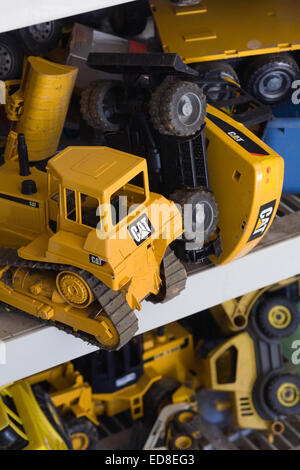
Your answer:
<point x="66" y="261"/>
<point x="29" y="420"/>
<point x="163" y="361"/>
<point x="255" y="41"/>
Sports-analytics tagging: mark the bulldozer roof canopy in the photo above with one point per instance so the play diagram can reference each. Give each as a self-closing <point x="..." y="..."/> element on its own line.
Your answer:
<point x="95" y="170"/>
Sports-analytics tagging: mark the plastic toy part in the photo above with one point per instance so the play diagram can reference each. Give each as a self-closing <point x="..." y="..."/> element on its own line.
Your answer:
<point x="247" y="188"/>
<point x="39" y="106"/>
<point x="29" y="420"/>
<point x="275" y="307"/>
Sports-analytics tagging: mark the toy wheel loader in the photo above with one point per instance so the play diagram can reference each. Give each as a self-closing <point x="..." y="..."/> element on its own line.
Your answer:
<point x="199" y="156"/>
<point x="84" y="241"/>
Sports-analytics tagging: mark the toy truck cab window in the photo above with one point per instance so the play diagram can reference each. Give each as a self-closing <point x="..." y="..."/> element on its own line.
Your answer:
<point x="128" y="197"/>
<point x="70" y="205"/>
<point x="89" y="208"/>
<point x="81" y="208"/>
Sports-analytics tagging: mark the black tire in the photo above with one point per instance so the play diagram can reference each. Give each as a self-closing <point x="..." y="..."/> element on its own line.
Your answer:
<point x="51" y="413"/>
<point x="277" y="317"/>
<point x="83" y="432"/>
<point x="40" y="38"/>
<point x="185" y="421"/>
<point x="182" y="109"/>
<point x="158" y="396"/>
<point x="11" y="57"/>
<point x="192" y="199"/>
<point x="269" y="78"/>
<point x="129" y="19"/>
<point x="182" y="441"/>
<point x="214" y="72"/>
<point x="282" y="394"/>
<point x="154" y="107"/>
<point x="99" y="105"/>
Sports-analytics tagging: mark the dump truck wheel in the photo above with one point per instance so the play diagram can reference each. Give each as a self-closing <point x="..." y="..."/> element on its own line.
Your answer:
<point x="51" y="413"/>
<point x="216" y="71"/>
<point x="182" y="441"/>
<point x="154" y="107"/>
<point x="269" y="78"/>
<point x="186" y="421"/>
<point x="283" y="394"/>
<point x="158" y="396"/>
<point x="83" y="432"/>
<point x="11" y="57"/>
<point x="199" y="209"/>
<point x="173" y="276"/>
<point x="40" y="38"/>
<point x="100" y="105"/>
<point x="182" y="109"/>
<point x="277" y="317"/>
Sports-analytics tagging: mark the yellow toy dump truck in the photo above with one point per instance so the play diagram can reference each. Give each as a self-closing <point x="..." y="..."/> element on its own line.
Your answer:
<point x="29" y="420"/>
<point x="69" y="251"/>
<point x="37" y="106"/>
<point x="256" y="41"/>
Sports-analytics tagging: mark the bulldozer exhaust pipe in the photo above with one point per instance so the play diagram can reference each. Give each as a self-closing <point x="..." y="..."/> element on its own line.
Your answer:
<point x="23" y="156"/>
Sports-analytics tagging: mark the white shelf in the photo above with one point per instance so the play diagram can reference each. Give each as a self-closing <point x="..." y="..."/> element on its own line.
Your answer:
<point x="20" y="13"/>
<point x="32" y="347"/>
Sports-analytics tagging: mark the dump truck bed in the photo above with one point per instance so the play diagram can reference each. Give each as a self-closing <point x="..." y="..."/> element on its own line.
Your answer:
<point x="217" y="30"/>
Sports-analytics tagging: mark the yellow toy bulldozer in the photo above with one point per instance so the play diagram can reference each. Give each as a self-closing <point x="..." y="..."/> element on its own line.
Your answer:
<point x="69" y="257"/>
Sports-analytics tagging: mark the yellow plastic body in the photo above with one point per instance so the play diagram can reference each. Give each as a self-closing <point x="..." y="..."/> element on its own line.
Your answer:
<point x="232" y="316"/>
<point x="215" y="30"/>
<point x="170" y="355"/>
<point x="38" y="108"/>
<point x="220" y="372"/>
<point x="30" y="423"/>
<point x="246" y="177"/>
<point x="99" y="173"/>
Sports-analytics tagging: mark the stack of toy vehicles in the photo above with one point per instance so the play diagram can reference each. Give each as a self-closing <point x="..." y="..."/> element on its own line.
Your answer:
<point x="66" y="259"/>
<point x="158" y="111"/>
<point x="164" y="366"/>
<point x="92" y="270"/>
